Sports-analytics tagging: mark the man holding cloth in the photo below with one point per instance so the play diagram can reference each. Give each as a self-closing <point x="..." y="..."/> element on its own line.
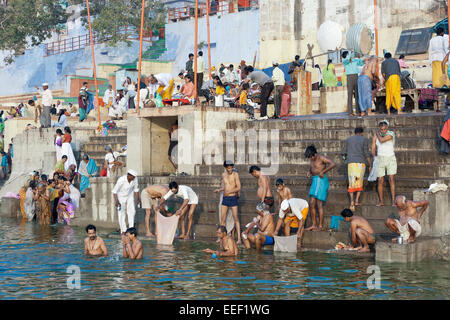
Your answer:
<point x="123" y="196"/>
<point x="293" y="208"/>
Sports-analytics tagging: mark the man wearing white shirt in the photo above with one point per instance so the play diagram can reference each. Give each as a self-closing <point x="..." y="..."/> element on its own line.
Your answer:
<point x="190" y="201"/>
<point x="47" y="101"/>
<point x="293" y="208"/>
<point x="123" y="196"/>
<point x="200" y="70"/>
<point x="439" y="46"/>
<point x="278" y="81"/>
<point x="232" y="75"/>
<point x="108" y="97"/>
<point x="165" y="82"/>
<point x="118" y="107"/>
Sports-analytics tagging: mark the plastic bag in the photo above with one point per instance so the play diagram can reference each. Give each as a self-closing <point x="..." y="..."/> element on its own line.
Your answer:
<point x="373" y="174"/>
<point x="159" y="101"/>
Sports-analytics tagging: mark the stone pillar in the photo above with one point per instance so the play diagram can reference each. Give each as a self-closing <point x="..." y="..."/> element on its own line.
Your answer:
<point x="435" y="221"/>
<point x="304" y="101"/>
<point x="139" y="142"/>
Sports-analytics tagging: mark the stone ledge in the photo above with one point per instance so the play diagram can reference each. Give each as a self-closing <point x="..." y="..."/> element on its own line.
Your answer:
<point x="423" y="248"/>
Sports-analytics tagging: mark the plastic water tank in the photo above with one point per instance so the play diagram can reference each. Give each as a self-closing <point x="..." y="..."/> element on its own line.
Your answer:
<point x="329" y="36"/>
<point x="359" y="39"/>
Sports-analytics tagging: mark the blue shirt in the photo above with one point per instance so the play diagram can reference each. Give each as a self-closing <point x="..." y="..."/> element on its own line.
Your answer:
<point x="4" y="161"/>
<point x="352" y="67"/>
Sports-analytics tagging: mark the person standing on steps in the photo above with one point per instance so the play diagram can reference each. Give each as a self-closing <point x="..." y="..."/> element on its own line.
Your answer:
<point x="383" y="143"/>
<point x="356" y="152"/>
<point x="47" y="101"/>
<point x="231" y="188"/>
<point x="318" y="168"/>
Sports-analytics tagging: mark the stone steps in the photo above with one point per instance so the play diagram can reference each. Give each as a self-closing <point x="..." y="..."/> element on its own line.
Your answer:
<point x="321" y="122"/>
<point x="424" y="171"/>
<point x="341" y="133"/>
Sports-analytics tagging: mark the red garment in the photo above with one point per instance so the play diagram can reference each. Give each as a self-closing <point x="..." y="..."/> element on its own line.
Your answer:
<point x="446" y="131"/>
<point x="67" y="138"/>
<point x="244" y="3"/>
<point x="285" y="101"/>
<point x="104" y="173"/>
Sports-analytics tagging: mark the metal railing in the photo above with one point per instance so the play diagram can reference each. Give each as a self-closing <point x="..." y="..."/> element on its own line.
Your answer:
<point x="83" y="41"/>
<point x="216" y="7"/>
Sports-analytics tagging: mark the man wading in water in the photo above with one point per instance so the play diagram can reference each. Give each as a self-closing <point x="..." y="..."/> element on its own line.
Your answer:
<point x="231" y="188"/>
<point x="94" y="245"/>
<point x="132" y="247"/>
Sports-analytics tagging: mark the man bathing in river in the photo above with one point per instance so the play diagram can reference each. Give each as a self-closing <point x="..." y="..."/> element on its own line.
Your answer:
<point x="361" y="231"/>
<point x="264" y="192"/>
<point x="265" y="225"/>
<point x="150" y="198"/>
<point x="93" y="244"/>
<point x="283" y="192"/>
<point x="408" y="227"/>
<point x="228" y="247"/>
<point x="132" y="247"/>
<point x="231" y="188"/>
<point x="318" y="167"/>
<point x="190" y="202"/>
<point x="293" y="213"/>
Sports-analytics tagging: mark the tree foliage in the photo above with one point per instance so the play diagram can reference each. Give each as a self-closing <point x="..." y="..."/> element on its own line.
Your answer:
<point x="114" y="17"/>
<point x="25" y="23"/>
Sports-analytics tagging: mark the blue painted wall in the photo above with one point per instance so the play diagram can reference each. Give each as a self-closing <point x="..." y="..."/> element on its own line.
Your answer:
<point x="235" y="35"/>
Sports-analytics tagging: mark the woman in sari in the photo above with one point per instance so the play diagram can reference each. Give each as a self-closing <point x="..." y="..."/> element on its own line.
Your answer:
<point x="58" y="144"/>
<point x="87" y="169"/>
<point x="67" y="149"/>
<point x="43" y="205"/>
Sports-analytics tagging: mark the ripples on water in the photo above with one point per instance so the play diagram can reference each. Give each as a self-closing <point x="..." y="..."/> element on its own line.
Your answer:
<point x="34" y="260"/>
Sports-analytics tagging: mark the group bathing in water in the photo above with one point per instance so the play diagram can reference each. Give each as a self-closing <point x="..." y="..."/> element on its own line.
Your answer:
<point x="261" y="231"/>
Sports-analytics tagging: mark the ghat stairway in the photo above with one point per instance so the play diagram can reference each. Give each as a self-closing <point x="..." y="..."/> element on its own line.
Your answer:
<point x="95" y="147"/>
<point x="419" y="165"/>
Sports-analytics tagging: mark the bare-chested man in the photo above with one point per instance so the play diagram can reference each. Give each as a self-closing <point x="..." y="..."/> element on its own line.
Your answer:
<point x="150" y="197"/>
<point x="94" y="245"/>
<point x="264" y="192"/>
<point x="266" y="226"/>
<point x="231" y="187"/>
<point x="228" y="247"/>
<point x="132" y="247"/>
<point x="361" y="231"/>
<point x="318" y="167"/>
<point x="366" y="83"/>
<point x="283" y="192"/>
<point x="408" y="227"/>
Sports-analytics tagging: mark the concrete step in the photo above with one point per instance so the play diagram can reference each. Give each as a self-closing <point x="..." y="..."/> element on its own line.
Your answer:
<point x="340" y="133"/>
<point x="341" y="121"/>
<point x="401" y="144"/>
<point x="403" y="157"/>
<point x="122" y="139"/>
<point x="403" y="170"/>
<point x="298" y="182"/>
<point x="96" y="147"/>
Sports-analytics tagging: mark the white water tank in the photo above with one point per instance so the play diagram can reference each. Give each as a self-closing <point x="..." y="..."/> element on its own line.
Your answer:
<point x="329" y="36"/>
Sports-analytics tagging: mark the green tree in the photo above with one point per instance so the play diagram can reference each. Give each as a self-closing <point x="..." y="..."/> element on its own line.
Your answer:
<point x="27" y="23"/>
<point x="114" y="17"/>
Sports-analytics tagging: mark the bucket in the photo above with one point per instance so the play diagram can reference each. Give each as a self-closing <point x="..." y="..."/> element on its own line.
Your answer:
<point x="219" y="101"/>
<point x="359" y="39"/>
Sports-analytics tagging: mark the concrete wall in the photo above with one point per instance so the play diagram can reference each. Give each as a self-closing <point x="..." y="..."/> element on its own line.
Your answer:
<point x="288" y="26"/>
<point x="435" y="221"/>
<point x="34" y="150"/>
<point x="235" y="35"/>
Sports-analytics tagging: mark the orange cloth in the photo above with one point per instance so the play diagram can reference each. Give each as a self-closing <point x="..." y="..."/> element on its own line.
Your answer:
<point x="446" y="131"/>
<point x="293" y="221"/>
<point x="22" y="194"/>
<point x="67" y="138"/>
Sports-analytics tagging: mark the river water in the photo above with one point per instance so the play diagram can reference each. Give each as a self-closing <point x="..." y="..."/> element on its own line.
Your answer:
<point x="34" y="264"/>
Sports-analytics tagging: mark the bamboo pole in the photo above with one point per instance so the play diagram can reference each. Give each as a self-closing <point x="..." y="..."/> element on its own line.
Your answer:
<point x="209" y="39"/>
<point x="196" y="47"/>
<point x="93" y="62"/>
<point x="376" y="32"/>
<point x="141" y="39"/>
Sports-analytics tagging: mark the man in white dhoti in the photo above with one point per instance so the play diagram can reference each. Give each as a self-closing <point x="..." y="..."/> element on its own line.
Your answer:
<point x="123" y="196"/>
<point x="118" y="108"/>
<point x="109" y="97"/>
